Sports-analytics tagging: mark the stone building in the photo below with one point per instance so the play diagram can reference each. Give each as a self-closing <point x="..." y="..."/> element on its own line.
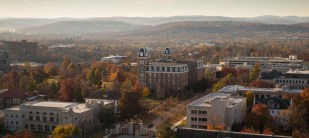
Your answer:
<point x="216" y="109"/>
<point x="45" y="116"/>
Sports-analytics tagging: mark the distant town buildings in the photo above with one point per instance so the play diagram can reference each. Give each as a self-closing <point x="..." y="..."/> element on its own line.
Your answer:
<point x="216" y="109"/>
<point x="60" y="48"/>
<point x="113" y="59"/>
<point x="45" y="116"/>
<point x="4" y="61"/>
<point x="21" y="50"/>
<point x="269" y="62"/>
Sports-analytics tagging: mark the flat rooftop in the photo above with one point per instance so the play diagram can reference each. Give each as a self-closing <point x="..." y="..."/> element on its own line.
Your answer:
<point x="236" y="88"/>
<point x="63" y="106"/>
<point x="52" y="104"/>
<point x="205" y="101"/>
<point x="298" y="72"/>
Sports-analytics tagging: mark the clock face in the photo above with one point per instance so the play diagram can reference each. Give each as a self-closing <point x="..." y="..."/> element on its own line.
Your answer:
<point x="141" y="54"/>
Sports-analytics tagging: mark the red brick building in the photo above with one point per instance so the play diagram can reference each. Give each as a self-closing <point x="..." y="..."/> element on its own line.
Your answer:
<point x="167" y="76"/>
<point x="21" y="50"/>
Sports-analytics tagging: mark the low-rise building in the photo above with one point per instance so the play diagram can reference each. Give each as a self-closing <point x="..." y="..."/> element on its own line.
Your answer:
<point x="45" y="116"/>
<point x="267" y="62"/>
<point x="294" y="79"/>
<point x="15" y="96"/>
<point x="107" y="97"/>
<point x="277" y="108"/>
<point x="258" y="92"/>
<point x="113" y="59"/>
<point x="216" y="109"/>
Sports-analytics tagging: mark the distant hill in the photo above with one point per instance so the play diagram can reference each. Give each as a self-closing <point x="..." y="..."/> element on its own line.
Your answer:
<point x="154" y="25"/>
<point x="10" y="24"/>
<point x="215" y="27"/>
<point x="77" y="27"/>
<point x="304" y="24"/>
<point x="162" y="20"/>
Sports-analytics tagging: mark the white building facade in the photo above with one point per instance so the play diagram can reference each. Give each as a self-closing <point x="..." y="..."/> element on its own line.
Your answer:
<point x="45" y="116"/>
<point x="216" y="109"/>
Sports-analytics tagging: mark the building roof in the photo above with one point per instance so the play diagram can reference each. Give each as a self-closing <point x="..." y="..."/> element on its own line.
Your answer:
<point x="235" y="88"/>
<point x="283" y="103"/>
<point x="270" y="75"/>
<point x="15" y="93"/>
<point x="297" y="72"/>
<point x="108" y="95"/>
<point x="206" y="100"/>
<point x="52" y="104"/>
<point x="64" y="106"/>
<point x="203" y="133"/>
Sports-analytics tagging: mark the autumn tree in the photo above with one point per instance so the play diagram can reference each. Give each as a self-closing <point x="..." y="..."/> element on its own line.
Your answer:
<point x="250" y="99"/>
<point x="227" y="80"/>
<point x="66" y="131"/>
<point x="166" y="132"/>
<point x="51" y="69"/>
<point x="127" y="101"/>
<point x="120" y="77"/>
<point x="259" y="118"/>
<point x="146" y="92"/>
<point x="299" y="112"/>
<point x="255" y="72"/>
<point x="126" y="85"/>
<point x="67" y="90"/>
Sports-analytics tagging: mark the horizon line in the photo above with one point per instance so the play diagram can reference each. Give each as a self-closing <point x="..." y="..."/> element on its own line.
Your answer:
<point x="84" y="17"/>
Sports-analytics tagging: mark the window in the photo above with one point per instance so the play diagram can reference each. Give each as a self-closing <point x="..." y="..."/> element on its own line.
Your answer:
<point x="37" y="118"/>
<point x="193" y="126"/>
<point x="202" y="112"/>
<point x="193" y="111"/>
<point x="193" y="119"/>
<point x="16" y="101"/>
<point x="1" y="100"/>
<point x="30" y="117"/>
<point x="202" y="119"/>
<point x="44" y="118"/>
<point x="51" y="119"/>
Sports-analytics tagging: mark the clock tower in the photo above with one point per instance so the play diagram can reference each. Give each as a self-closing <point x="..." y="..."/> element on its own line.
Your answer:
<point x="142" y="62"/>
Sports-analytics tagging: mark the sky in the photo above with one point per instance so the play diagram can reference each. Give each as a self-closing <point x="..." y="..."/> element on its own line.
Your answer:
<point x="151" y="8"/>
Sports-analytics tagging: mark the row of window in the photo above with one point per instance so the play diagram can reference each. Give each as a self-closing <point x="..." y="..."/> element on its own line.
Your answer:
<point x="167" y="69"/>
<point x="194" y="119"/>
<point x="198" y="112"/>
<point x="15" y="101"/>
<point x="291" y="81"/>
<point x="199" y="126"/>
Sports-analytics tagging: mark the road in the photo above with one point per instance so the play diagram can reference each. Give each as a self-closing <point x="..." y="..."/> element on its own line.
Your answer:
<point x="173" y="111"/>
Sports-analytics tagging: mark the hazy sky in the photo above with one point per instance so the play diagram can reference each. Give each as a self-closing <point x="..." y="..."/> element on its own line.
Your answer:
<point x="149" y="8"/>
